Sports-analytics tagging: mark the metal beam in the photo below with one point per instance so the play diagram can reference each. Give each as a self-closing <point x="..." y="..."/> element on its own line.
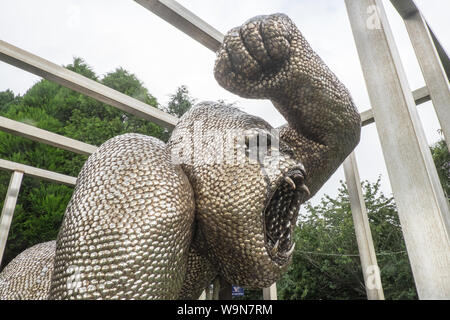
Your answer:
<point x="24" y="130"/>
<point x="371" y="271"/>
<point x="209" y="292"/>
<point x="225" y="291"/>
<point x="432" y="69"/>
<point x="8" y="209"/>
<point x="420" y="95"/>
<point x="72" y="80"/>
<point x="216" y="289"/>
<point x="202" y="295"/>
<point x="270" y="293"/>
<point x="407" y="9"/>
<point x="38" y="173"/>
<point x="181" y="18"/>
<point x="441" y="52"/>
<point x="172" y="12"/>
<point x="422" y="206"/>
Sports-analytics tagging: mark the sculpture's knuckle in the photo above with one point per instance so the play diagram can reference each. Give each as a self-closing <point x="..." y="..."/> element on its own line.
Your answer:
<point x="253" y="52"/>
<point x="240" y="59"/>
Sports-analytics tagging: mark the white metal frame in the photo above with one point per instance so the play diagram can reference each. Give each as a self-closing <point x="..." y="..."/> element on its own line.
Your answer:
<point x="422" y="206"/>
<point x="8" y="209"/>
<point x="51" y="71"/>
<point x="26" y="131"/>
<point x="369" y="265"/>
<point x="427" y="200"/>
<point x="429" y="61"/>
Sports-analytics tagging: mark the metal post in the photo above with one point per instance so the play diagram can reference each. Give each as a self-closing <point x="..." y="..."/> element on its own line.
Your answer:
<point x="8" y="209"/>
<point x="203" y="295"/>
<point x="38" y="173"/>
<point x="432" y="69"/>
<point x="270" y="293"/>
<point x="209" y="292"/>
<point x="216" y="288"/>
<point x="224" y="290"/>
<point x="181" y="18"/>
<point x="371" y="271"/>
<point x="423" y="209"/>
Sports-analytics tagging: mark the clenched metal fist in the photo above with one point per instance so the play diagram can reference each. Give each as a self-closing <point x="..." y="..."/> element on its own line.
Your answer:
<point x="155" y="221"/>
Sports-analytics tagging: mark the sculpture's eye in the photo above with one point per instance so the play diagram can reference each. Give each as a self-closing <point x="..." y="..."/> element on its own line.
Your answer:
<point x="289" y="152"/>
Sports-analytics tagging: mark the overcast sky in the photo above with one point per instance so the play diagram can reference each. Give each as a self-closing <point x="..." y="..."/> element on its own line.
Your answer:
<point x="112" y="33"/>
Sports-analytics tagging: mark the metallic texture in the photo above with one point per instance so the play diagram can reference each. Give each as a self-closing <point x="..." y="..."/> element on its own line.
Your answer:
<point x="127" y="229"/>
<point x="243" y="208"/>
<point x="75" y="81"/>
<point x="181" y="18"/>
<point x="27" y="131"/>
<point x="9" y="206"/>
<point x="200" y="271"/>
<point x="27" y="276"/>
<point x="149" y="221"/>
<point x="268" y="58"/>
<point x="247" y="210"/>
<point x="367" y="254"/>
<point x="423" y="208"/>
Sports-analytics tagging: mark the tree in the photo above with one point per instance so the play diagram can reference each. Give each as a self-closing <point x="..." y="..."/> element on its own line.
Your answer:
<point x="326" y="262"/>
<point x="52" y="107"/>
<point x="180" y="102"/>
<point x="441" y="158"/>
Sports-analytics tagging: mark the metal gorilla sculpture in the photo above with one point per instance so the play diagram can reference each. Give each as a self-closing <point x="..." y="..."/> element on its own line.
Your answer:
<point x="140" y="226"/>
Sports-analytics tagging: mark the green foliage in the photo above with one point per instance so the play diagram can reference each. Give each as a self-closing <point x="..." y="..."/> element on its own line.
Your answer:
<point x="52" y="107"/>
<point x="326" y="263"/>
<point x="180" y="102"/>
<point x="6" y="98"/>
<point x="441" y="157"/>
<point x="38" y="216"/>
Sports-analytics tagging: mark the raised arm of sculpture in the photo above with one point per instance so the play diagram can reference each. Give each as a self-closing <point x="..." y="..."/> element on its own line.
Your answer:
<point x="155" y="221"/>
<point x="268" y="58"/>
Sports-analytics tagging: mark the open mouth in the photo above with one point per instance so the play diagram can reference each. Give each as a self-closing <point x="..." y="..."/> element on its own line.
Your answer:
<point x="281" y="214"/>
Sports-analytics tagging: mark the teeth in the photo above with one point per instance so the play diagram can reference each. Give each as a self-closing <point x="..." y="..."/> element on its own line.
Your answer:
<point x="275" y="248"/>
<point x="290" y="250"/>
<point x="290" y="181"/>
<point x="305" y="189"/>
